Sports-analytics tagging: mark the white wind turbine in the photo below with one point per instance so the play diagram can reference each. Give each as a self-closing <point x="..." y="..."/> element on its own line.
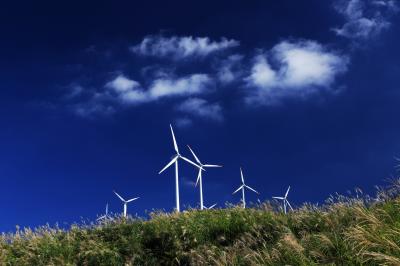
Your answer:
<point x="201" y="167"/>
<point x="125" y="202"/>
<point x="242" y="187"/>
<point x="105" y="216"/>
<point x="285" y="201"/>
<point x="175" y="160"/>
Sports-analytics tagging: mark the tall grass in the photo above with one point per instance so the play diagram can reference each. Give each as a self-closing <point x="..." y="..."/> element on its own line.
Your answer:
<point x="345" y="231"/>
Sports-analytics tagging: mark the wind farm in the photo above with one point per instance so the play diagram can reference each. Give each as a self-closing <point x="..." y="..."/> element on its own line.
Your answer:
<point x="261" y="233"/>
<point x="191" y="133"/>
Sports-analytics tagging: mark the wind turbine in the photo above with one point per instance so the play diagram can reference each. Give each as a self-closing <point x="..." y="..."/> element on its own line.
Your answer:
<point x="105" y="216"/>
<point x="201" y="167"/>
<point x="125" y="202"/>
<point x="242" y="187"/>
<point x="211" y="207"/>
<point x="285" y="201"/>
<point x="175" y="160"/>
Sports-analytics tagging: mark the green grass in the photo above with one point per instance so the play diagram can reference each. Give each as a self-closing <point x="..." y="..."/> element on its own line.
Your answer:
<point x="345" y="231"/>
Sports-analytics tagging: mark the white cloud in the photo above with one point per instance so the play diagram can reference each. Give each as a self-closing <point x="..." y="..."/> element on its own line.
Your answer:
<point x="189" y="85"/>
<point x="181" y="47"/>
<point x="130" y="92"/>
<point x="201" y="108"/>
<point x="293" y="68"/>
<point x="126" y="90"/>
<point x="122" y="84"/>
<point x="365" y="19"/>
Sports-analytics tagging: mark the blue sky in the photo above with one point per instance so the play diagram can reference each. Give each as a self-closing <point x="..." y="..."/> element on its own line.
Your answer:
<point x="300" y="93"/>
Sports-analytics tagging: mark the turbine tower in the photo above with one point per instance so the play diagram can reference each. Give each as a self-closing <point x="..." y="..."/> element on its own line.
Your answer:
<point x="175" y="160"/>
<point x="242" y="187"/>
<point x="125" y="202"/>
<point x="201" y="167"/>
<point x="285" y="201"/>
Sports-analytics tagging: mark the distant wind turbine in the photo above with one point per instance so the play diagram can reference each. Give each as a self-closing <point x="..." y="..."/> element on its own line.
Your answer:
<point x="175" y="160"/>
<point x="211" y="207"/>
<point x="105" y="216"/>
<point x="125" y="202"/>
<point x="201" y="167"/>
<point x="242" y="187"/>
<point x="285" y="201"/>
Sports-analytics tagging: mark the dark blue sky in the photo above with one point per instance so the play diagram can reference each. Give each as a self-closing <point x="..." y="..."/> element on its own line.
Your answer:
<point x="300" y="93"/>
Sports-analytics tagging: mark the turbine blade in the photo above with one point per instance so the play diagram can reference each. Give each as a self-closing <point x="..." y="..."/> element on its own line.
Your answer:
<point x="237" y="189"/>
<point x="189" y="161"/>
<point x="212" y="206"/>
<point x="169" y="164"/>
<point x="281" y="198"/>
<point x="173" y="137"/>
<point x="241" y="175"/>
<point x="132" y="199"/>
<point x="198" y="177"/>
<point x="121" y="198"/>
<point x="212" y="165"/>
<point x="252" y="189"/>
<point x="289" y="205"/>
<point x="287" y="192"/>
<point x="194" y="155"/>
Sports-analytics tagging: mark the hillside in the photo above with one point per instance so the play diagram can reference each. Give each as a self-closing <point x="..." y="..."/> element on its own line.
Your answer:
<point x="345" y="231"/>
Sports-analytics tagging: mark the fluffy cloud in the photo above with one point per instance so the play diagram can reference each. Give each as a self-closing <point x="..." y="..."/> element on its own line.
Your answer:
<point x="365" y="19"/>
<point x="131" y="92"/>
<point x="127" y="90"/>
<point x="293" y="68"/>
<point x="181" y="47"/>
<point x="190" y="85"/>
<point x="201" y="108"/>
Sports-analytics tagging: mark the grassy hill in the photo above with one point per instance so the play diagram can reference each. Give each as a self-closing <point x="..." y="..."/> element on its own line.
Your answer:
<point x="345" y="231"/>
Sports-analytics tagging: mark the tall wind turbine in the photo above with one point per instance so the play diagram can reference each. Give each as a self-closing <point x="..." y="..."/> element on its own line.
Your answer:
<point x="285" y="201"/>
<point x="242" y="187"/>
<point x="201" y="167"/>
<point x="175" y="160"/>
<point x="105" y="216"/>
<point x="125" y="202"/>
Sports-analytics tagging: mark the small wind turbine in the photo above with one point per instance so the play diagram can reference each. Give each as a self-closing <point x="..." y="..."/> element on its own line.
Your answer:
<point x="285" y="201"/>
<point x="211" y="207"/>
<point x="105" y="216"/>
<point x="175" y="160"/>
<point x="199" y="176"/>
<point x="125" y="202"/>
<point x="242" y="187"/>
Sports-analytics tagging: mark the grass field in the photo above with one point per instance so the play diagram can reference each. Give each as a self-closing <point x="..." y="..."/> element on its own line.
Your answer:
<point x="344" y="231"/>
